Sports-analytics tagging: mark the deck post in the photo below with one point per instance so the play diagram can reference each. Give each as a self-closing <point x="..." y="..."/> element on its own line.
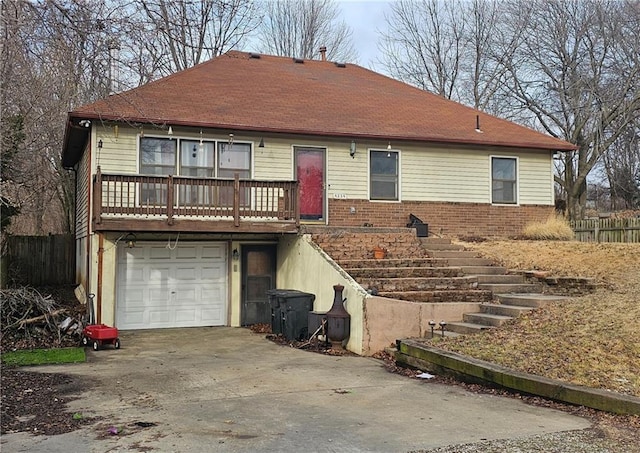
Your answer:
<point x="236" y="199"/>
<point x="170" y="200"/>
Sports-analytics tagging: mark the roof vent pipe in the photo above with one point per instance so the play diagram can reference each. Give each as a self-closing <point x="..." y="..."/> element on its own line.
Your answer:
<point x="478" y="124"/>
<point x="323" y="53"/>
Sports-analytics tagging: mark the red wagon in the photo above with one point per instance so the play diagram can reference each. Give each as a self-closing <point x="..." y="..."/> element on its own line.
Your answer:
<point x="99" y="335"/>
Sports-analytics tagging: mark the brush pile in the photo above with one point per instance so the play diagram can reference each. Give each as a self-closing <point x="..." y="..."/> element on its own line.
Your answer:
<point x="33" y="319"/>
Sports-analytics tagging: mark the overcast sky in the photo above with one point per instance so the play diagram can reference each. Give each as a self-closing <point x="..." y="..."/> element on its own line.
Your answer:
<point x="365" y="18"/>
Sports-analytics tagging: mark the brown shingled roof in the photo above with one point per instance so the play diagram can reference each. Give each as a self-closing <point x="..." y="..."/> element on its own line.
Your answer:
<point x="277" y="94"/>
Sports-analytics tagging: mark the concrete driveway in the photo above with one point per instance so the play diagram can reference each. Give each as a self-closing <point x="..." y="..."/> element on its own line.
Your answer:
<point x="229" y="390"/>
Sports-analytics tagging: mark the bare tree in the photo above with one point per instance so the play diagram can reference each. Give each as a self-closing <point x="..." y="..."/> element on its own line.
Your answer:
<point x="570" y="68"/>
<point x="51" y="62"/>
<point x="298" y="28"/>
<point x="424" y="44"/>
<point x="179" y="34"/>
<point x="622" y="167"/>
<point x="575" y="72"/>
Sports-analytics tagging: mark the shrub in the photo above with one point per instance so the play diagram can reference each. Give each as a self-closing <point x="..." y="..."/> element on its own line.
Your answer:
<point x="554" y="228"/>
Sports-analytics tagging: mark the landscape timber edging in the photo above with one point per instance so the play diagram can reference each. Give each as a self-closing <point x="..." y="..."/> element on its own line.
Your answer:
<point x="435" y="360"/>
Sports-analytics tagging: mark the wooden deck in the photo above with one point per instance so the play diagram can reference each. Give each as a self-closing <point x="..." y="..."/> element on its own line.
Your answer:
<point x="127" y="202"/>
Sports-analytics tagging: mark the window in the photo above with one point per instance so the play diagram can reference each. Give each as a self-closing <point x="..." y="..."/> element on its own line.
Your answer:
<point x="503" y="180"/>
<point x="196" y="159"/>
<point x="157" y="157"/>
<point x="383" y="175"/>
<point x="234" y="158"/>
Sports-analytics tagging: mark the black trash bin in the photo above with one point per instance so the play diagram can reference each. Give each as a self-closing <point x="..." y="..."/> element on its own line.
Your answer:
<point x="422" y="229"/>
<point x="289" y="312"/>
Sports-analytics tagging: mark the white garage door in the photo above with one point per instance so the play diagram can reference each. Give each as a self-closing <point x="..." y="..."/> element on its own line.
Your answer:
<point x="184" y="287"/>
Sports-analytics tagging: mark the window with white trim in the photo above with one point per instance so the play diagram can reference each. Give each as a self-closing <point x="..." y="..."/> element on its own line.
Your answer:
<point x="193" y="158"/>
<point x="504" y="180"/>
<point x="383" y="175"/>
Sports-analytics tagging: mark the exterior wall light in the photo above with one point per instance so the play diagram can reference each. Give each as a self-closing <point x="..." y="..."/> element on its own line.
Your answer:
<point x="235" y="255"/>
<point x="130" y="240"/>
<point x="352" y="149"/>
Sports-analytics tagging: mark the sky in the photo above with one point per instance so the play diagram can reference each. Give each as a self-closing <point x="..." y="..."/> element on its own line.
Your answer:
<point x="365" y="18"/>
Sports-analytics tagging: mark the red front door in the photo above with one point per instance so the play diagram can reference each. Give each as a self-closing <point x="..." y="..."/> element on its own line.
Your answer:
<point x="310" y="176"/>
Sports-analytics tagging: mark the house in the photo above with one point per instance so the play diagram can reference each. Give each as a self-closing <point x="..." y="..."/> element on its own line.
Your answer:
<point x="192" y="190"/>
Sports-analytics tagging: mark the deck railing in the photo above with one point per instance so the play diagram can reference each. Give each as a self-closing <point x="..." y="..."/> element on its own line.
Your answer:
<point x="182" y="196"/>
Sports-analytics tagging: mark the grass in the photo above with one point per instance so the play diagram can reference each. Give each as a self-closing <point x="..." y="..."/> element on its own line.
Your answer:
<point x="43" y="356"/>
<point x="591" y="340"/>
<point x="554" y="228"/>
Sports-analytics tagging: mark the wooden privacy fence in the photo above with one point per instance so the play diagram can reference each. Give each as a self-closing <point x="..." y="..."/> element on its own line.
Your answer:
<point x="42" y="260"/>
<point x="607" y="230"/>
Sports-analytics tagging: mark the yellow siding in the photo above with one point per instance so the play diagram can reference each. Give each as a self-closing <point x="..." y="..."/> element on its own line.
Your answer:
<point x="427" y="172"/>
<point x="346" y="175"/>
<point x="536" y="177"/>
<point x="441" y="174"/>
<point x="274" y="161"/>
<point x="82" y="181"/>
<point x="119" y="153"/>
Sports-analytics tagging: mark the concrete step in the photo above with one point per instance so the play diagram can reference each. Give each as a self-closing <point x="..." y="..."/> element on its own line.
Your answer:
<point x="443" y="247"/>
<point x="486" y="319"/>
<point x="507" y="288"/>
<point x="467" y="261"/>
<point x="467" y="327"/>
<point x="508" y="278"/>
<point x="434" y="240"/>
<point x="437" y="296"/>
<point x="396" y="262"/>
<point x="483" y="270"/>
<point x="505" y="310"/>
<point x="533" y="300"/>
<point x="418" y="284"/>
<point x="402" y="272"/>
<point x="453" y="254"/>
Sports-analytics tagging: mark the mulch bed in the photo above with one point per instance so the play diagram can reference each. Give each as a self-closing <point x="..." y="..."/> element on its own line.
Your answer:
<point x="37" y="402"/>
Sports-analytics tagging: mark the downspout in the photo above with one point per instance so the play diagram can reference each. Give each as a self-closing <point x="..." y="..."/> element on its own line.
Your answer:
<point x="99" y="289"/>
<point x="89" y="217"/>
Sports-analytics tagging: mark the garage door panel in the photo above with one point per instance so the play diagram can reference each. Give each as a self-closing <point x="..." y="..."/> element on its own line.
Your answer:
<point x="189" y="252"/>
<point x="187" y="273"/>
<point x="159" y="316"/>
<point x="135" y="317"/>
<point x="159" y="253"/>
<point x="212" y="315"/>
<point x="156" y="296"/>
<point x="184" y="287"/>
<point x="212" y="252"/>
<point x="158" y="275"/>
<point x="186" y="315"/>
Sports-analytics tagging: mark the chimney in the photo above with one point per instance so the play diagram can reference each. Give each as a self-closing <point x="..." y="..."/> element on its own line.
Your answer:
<point x="114" y="60"/>
<point x="323" y="53"/>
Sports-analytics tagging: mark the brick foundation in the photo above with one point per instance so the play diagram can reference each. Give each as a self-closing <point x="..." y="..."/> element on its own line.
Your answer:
<point x="448" y="219"/>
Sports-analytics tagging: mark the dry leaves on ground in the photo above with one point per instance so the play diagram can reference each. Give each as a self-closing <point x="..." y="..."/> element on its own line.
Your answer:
<point x="591" y="340"/>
